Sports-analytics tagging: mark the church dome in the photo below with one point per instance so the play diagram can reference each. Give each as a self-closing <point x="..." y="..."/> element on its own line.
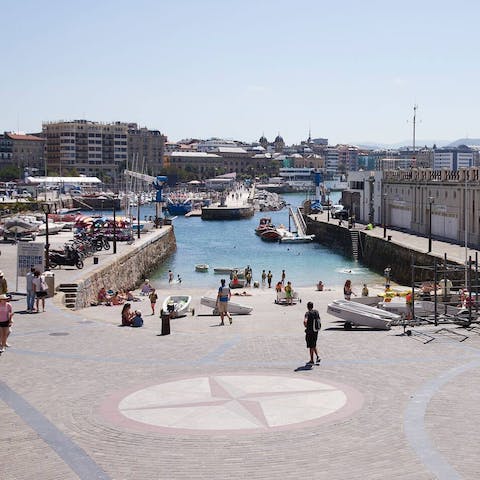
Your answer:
<point x="279" y="139"/>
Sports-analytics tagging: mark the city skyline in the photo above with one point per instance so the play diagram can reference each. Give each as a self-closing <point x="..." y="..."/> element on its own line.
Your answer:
<point x="347" y="72"/>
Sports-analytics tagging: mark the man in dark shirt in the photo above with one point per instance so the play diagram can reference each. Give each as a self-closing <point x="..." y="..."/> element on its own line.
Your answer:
<point x="312" y="326"/>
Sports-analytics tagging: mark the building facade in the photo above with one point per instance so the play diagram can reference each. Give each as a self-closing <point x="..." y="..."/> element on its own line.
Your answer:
<point x="25" y="152"/>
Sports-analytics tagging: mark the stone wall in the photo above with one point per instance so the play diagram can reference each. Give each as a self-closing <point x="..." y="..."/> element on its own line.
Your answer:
<point x="330" y="235"/>
<point x="128" y="270"/>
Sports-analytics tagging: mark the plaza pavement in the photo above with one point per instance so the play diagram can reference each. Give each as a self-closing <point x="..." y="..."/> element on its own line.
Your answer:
<point x="81" y="397"/>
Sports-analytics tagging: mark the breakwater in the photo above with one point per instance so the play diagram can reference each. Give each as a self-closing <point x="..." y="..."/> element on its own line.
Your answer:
<point x="127" y="269"/>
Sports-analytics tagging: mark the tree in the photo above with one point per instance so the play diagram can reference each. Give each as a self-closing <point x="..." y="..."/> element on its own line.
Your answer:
<point x="9" y="173"/>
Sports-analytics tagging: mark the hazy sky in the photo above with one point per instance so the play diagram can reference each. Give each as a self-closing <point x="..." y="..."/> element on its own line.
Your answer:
<point x="349" y="70"/>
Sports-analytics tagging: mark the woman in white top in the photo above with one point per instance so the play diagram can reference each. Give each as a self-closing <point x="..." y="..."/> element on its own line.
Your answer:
<point x="40" y="288"/>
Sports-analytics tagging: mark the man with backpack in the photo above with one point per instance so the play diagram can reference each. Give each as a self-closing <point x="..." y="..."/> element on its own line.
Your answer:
<point x="312" y="327"/>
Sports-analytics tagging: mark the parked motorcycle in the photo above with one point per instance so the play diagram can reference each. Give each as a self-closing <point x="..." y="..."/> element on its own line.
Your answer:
<point x="101" y="242"/>
<point x="69" y="257"/>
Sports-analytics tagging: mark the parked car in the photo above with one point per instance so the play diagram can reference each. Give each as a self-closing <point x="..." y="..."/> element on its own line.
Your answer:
<point x="340" y="214"/>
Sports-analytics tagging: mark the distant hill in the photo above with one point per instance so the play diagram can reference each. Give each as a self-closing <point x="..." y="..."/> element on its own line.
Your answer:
<point x="464" y="141"/>
<point x="418" y="144"/>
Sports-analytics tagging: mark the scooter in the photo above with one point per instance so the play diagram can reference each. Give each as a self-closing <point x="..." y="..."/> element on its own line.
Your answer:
<point x="69" y="257"/>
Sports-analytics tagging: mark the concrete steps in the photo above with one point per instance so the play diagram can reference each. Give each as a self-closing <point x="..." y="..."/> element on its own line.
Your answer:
<point x="70" y="291"/>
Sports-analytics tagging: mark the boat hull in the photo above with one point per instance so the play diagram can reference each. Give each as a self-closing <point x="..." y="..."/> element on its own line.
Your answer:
<point x="357" y="314"/>
<point x="177" y="305"/>
<point x="201" y="267"/>
<point x="233" y="307"/>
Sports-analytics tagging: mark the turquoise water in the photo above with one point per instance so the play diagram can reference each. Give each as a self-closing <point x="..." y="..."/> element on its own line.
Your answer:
<point x="234" y="244"/>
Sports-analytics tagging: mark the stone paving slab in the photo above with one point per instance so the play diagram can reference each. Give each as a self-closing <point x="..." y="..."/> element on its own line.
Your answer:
<point x="73" y="367"/>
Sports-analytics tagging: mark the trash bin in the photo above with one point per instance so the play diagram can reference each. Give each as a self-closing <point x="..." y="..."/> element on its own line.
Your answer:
<point x="389" y="238"/>
<point x="95" y="260"/>
<point x="50" y="281"/>
<point x="165" y="316"/>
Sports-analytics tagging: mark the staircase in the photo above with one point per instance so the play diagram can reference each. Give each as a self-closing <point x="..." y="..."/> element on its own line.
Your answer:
<point x="354" y="235"/>
<point x="70" y="290"/>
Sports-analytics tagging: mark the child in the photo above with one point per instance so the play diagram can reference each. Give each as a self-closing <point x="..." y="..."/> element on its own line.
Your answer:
<point x="137" y="320"/>
<point x="153" y="300"/>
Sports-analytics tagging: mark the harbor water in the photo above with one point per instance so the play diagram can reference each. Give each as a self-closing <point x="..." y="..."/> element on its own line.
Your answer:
<point x="233" y="243"/>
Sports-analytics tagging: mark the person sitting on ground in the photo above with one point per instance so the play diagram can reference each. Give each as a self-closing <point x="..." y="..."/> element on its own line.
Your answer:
<point x="127" y="315"/>
<point x="103" y="297"/>
<point x="243" y="294"/>
<point x="117" y="299"/>
<point x="137" y="320"/>
<point x="131" y="297"/>
<point x="320" y="286"/>
<point x="146" y="288"/>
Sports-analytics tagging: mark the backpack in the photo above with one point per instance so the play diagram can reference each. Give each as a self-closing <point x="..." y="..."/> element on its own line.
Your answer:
<point x="317" y="324"/>
<point x="137" y="321"/>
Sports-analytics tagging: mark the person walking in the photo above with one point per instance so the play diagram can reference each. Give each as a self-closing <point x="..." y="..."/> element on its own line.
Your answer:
<point x="6" y="314"/>
<point x="170" y="276"/>
<point x="264" y="278"/>
<point x="223" y="297"/>
<point x="269" y="279"/>
<point x="30" y="292"/>
<point x="284" y="275"/>
<point x="40" y="288"/>
<point x="312" y="326"/>
<point x="387" y="273"/>
<point x="153" y="297"/>
<point x="347" y="290"/>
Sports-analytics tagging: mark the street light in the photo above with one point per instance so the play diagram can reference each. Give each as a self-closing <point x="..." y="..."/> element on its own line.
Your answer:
<point x="328" y="205"/>
<point x="384" y="215"/>
<point x="47" y="208"/>
<point x="114" y="225"/>
<point x="430" y="203"/>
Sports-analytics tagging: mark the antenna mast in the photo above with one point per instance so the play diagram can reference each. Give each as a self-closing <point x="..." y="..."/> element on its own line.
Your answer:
<point x="414" y="160"/>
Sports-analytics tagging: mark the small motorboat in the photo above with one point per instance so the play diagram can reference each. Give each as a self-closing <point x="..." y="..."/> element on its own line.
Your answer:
<point x="202" y="267"/>
<point x="177" y="305"/>
<point x="295" y="238"/>
<point x="265" y="223"/>
<point x="271" y="235"/>
<point x="232" y="306"/>
<point x="357" y="314"/>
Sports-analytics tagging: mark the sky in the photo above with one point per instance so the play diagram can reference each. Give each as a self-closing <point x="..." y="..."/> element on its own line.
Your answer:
<point x="350" y="71"/>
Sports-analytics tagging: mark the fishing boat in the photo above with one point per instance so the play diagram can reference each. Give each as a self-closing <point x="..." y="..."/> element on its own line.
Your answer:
<point x="201" y="267"/>
<point x="177" y="305"/>
<point x="356" y="314"/>
<point x="224" y="270"/>
<point x="232" y="306"/>
<point x="271" y="235"/>
<point x="264" y="224"/>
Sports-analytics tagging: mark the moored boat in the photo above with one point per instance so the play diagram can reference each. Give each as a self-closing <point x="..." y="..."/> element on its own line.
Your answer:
<point x="232" y="306"/>
<point x="202" y="267"/>
<point x="177" y="305"/>
<point x="271" y="235"/>
<point x="295" y="238"/>
<point x="264" y="224"/>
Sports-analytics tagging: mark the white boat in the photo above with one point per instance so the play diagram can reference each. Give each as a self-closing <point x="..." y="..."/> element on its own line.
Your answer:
<point x="357" y="314"/>
<point x="232" y="306"/>
<point x="295" y="238"/>
<point x="145" y="225"/>
<point x="53" y="227"/>
<point x="20" y="224"/>
<point x="398" y="305"/>
<point x="202" y="267"/>
<point x="177" y="305"/>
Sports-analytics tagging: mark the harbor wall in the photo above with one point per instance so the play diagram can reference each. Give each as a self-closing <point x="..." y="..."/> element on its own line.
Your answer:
<point x="376" y="253"/>
<point x="129" y="269"/>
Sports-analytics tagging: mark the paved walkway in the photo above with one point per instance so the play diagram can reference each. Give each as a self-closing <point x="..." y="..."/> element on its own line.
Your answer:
<point x="81" y="398"/>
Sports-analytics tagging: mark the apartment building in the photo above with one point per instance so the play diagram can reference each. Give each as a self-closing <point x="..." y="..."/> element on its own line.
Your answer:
<point x="101" y="149"/>
<point x="453" y="158"/>
<point x="23" y="151"/>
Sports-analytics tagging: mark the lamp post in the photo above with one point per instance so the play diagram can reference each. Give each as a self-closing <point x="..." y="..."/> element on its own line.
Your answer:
<point x="430" y="203"/>
<point x="114" y="226"/>
<point x="138" y="215"/>
<point x="47" y="208"/>
<point x="328" y="206"/>
<point x="384" y="215"/>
